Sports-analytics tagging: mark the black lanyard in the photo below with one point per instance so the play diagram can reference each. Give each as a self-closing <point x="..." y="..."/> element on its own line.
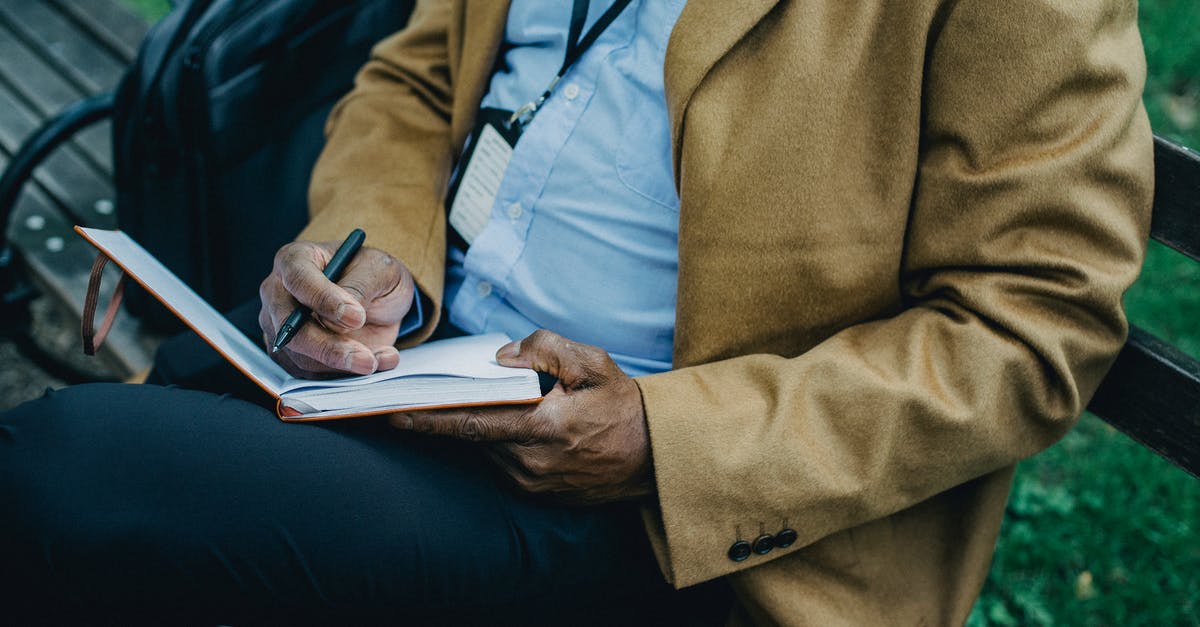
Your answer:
<point x="576" y="46"/>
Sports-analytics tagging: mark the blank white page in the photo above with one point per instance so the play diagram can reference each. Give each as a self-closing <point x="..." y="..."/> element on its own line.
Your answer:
<point x="248" y="357"/>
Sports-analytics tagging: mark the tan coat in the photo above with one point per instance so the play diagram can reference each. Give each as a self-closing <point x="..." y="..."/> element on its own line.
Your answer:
<point x="905" y="230"/>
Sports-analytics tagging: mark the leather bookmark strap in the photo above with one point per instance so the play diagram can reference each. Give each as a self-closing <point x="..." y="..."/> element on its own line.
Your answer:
<point x="93" y="338"/>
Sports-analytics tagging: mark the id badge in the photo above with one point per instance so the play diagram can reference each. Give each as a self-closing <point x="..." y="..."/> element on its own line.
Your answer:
<point x="480" y="172"/>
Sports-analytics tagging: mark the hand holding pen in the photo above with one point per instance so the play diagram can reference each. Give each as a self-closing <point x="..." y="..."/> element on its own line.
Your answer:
<point x="333" y="271"/>
<point x="356" y="318"/>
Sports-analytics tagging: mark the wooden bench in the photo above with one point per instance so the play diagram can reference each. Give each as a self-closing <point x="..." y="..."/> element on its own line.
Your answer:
<point x="1152" y="393"/>
<point x="54" y="52"/>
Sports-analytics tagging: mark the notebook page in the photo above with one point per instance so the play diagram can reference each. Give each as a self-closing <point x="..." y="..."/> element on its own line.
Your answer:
<point x="251" y="359"/>
<point x="471" y="356"/>
<point x="417" y="391"/>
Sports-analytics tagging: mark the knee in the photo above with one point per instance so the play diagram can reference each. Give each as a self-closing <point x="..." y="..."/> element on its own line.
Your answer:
<point x="90" y="410"/>
<point x="56" y="404"/>
<point x="45" y="441"/>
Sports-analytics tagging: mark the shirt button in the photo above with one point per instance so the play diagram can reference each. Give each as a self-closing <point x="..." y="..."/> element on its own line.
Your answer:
<point x="571" y="91"/>
<point x="514" y="211"/>
<point x="484" y="288"/>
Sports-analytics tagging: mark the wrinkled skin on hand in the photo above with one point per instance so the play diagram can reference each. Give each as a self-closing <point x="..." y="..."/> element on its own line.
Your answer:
<point x="585" y="443"/>
<point x="354" y="322"/>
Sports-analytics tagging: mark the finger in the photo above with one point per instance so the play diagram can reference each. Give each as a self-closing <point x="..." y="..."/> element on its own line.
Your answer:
<point x="300" y="267"/>
<point x="555" y="484"/>
<point x="476" y="424"/>
<point x="575" y="365"/>
<point x="267" y="325"/>
<point x="533" y="459"/>
<point x="325" y="350"/>
<point x="515" y="473"/>
<point x="290" y="365"/>
<point x="295" y="358"/>
<point x="386" y="358"/>
<point x="277" y="303"/>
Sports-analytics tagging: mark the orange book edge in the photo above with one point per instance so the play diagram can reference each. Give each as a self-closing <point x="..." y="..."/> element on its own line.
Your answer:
<point x="282" y="411"/>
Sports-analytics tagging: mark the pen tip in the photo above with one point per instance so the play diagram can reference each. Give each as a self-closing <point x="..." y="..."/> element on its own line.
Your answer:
<point x="274" y="349"/>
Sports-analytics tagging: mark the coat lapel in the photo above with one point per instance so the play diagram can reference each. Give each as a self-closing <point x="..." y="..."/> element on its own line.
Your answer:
<point x="705" y="32"/>
<point x="482" y="32"/>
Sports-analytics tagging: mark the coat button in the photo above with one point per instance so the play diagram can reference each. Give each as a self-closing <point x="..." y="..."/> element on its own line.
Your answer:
<point x="764" y="543"/>
<point x="785" y="538"/>
<point x="739" y="551"/>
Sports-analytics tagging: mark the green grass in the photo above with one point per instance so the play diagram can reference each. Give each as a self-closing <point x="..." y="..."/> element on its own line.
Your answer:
<point x="151" y="10"/>
<point x="1171" y="33"/>
<point x="1099" y="530"/>
<point x="1166" y="298"/>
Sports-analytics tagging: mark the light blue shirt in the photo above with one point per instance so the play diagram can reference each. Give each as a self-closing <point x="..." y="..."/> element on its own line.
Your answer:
<point x="582" y="238"/>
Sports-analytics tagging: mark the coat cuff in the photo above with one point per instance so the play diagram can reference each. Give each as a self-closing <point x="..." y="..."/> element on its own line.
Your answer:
<point x="701" y="514"/>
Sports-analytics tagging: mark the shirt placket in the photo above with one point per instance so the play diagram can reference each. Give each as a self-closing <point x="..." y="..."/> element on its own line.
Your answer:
<point x="490" y="260"/>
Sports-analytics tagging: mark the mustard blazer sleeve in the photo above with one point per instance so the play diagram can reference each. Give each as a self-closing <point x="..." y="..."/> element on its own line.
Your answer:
<point x="387" y="155"/>
<point x="1027" y="223"/>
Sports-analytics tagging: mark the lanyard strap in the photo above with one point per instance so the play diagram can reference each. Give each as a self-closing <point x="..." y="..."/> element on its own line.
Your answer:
<point x="576" y="46"/>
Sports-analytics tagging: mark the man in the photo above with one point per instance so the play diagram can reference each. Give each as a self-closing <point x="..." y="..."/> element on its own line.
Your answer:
<point x="904" y="230"/>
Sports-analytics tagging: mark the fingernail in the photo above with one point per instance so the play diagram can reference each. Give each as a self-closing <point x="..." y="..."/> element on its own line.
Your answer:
<point x="349" y="314"/>
<point x="360" y="362"/>
<point x="386" y="357"/>
<point x="509" y="351"/>
<point x="402" y="420"/>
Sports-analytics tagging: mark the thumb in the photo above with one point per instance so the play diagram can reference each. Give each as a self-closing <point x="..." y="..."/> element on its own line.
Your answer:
<point x="574" y="364"/>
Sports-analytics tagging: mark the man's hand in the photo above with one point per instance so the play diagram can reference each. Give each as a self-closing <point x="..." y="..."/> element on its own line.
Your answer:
<point x="355" y="321"/>
<point x="586" y="442"/>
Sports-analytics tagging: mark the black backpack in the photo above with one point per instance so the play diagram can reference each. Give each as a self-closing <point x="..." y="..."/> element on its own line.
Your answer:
<point x="217" y="125"/>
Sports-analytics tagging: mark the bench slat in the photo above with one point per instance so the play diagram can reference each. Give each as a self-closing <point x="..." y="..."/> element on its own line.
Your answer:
<point x="52" y="54"/>
<point x="1152" y="394"/>
<point x="1176" y="220"/>
<point x="31" y="80"/>
<point x="64" y="175"/>
<point x="110" y="23"/>
<point x="70" y="50"/>
<point x="21" y="68"/>
<point x="62" y="272"/>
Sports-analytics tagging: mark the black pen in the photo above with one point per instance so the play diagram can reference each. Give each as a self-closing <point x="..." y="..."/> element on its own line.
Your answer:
<point x="333" y="269"/>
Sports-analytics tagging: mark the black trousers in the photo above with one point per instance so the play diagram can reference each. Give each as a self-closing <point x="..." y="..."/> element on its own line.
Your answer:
<point x="124" y="503"/>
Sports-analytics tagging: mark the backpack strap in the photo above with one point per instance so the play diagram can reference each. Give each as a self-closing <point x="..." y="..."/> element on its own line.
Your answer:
<point x="93" y="338"/>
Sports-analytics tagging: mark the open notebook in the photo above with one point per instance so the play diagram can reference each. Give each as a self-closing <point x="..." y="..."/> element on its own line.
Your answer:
<point x="448" y="373"/>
